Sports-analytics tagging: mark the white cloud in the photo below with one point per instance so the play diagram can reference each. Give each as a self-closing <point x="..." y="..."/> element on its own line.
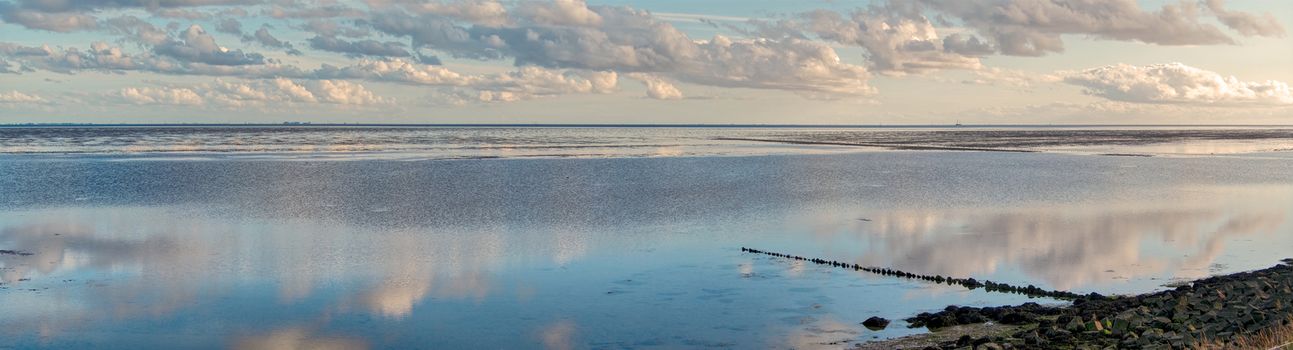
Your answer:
<point x="15" y="96"/>
<point x="1177" y="83"/>
<point x="167" y="96"/>
<point x="254" y="93"/>
<point x="559" y="13"/>
<point x="657" y="88"/>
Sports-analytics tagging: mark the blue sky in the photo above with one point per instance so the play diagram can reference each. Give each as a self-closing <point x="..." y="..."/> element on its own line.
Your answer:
<point x="567" y="61"/>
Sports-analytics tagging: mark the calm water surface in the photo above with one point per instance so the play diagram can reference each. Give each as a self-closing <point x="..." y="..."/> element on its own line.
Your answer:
<point x="632" y="250"/>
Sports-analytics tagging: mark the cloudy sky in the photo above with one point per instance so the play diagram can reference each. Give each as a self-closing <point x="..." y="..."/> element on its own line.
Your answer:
<point x="641" y="61"/>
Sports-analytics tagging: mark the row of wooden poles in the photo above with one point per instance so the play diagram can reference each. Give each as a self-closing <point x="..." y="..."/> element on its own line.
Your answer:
<point x="1030" y="290"/>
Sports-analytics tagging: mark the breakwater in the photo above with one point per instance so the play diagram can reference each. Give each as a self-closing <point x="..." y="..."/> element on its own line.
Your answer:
<point x="971" y="283"/>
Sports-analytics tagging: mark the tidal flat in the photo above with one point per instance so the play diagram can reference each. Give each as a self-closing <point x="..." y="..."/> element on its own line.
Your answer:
<point x="628" y="241"/>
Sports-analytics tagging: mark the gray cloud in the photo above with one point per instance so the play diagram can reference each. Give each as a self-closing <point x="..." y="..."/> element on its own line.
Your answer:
<point x="331" y="28"/>
<point x="565" y="44"/>
<point x="968" y="45"/>
<point x="897" y="40"/>
<point x="482" y="12"/>
<point x="180" y="13"/>
<point x="1034" y="27"/>
<point x="436" y="33"/>
<point x="101" y="57"/>
<point x="360" y="47"/>
<point x="137" y="30"/>
<point x="51" y="21"/>
<point x="230" y="26"/>
<point x="75" y="5"/>
<point x="1246" y="23"/>
<point x="263" y="37"/>
<point x="328" y="11"/>
<point x="570" y="35"/>
<point x="195" y="45"/>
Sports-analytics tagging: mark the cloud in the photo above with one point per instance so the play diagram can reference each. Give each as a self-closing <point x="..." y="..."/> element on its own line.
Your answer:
<point x="802" y="66"/>
<point x="897" y="41"/>
<point x="230" y="26"/>
<point x="180" y="13"/>
<point x="360" y="47"/>
<point x="558" y="335"/>
<point x="559" y="13"/>
<point x="1179" y="84"/>
<point x="140" y="31"/>
<point x="167" y="96"/>
<point x="333" y="29"/>
<point x="529" y="82"/>
<point x="15" y="96"/>
<point x="195" y="45"/>
<point x="524" y="83"/>
<point x="482" y="12"/>
<point x="657" y="88"/>
<point x="968" y="45"/>
<point x="571" y="47"/>
<point x="1012" y="78"/>
<point x="1246" y="23"/>
<point x="254" y="93"/>
<point x="1035" y="27"/>
<point x="263" y="37"/>
<point x="101" y="56"/>
<point x="297" y="338"/>
<point x="9" y="68"/>
<point x="65" y="5"/>
<point x="626" y="40"/>
<point x="55" y="22"/>
<point x="305" y="11"/>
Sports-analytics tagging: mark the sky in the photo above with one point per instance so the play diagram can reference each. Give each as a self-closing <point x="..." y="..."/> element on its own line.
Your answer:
<point x="638" y="61"/>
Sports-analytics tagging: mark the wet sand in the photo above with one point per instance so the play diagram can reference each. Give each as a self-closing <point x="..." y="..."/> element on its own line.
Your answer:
<point x="1037" y="140"/>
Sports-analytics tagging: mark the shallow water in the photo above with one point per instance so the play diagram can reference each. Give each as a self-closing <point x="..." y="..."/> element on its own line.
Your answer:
<point x="619" y="252"/>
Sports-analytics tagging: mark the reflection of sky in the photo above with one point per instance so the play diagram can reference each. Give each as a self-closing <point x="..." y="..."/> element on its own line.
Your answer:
<point x="1124" y="246"/>
<point x="577" y="253"/>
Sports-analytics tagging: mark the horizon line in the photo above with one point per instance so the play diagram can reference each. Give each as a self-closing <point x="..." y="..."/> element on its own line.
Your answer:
<point x="612" y="125"/>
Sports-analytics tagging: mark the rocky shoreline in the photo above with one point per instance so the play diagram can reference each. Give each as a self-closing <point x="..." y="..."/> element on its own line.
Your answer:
<point x="1220" y="311"/>
<point x="1214" y="311"/>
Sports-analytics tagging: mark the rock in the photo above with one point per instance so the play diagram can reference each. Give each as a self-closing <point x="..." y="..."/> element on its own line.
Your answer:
<point x="1016" y="318"/>
<point x="875" y="323"/>
<point x="1032" y="338"/>
<point x="1161" y="321"/>
<point x="1095" y="325"/>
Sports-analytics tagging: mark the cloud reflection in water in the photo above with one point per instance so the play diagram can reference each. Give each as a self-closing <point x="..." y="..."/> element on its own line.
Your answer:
<point x="1079" y="245"/>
